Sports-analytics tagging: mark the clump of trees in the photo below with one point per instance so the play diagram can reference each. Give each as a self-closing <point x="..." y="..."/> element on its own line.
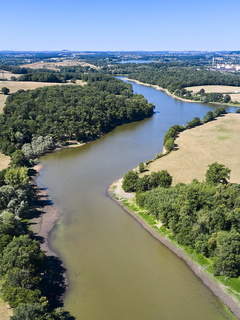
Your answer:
<point x="202" y="215"/>
<point x="5" y="90"/>
<point x="133" y="183"/>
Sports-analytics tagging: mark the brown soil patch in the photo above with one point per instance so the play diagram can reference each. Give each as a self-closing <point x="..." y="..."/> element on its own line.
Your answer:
<point x="216" y="141"/>
<point x="56" y="64"/>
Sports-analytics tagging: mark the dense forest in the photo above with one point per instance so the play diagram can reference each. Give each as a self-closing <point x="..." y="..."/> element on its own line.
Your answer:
<point x="61" y="113"/>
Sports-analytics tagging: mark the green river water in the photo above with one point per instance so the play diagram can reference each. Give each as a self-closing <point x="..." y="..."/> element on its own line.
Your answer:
<point x="116" y="270"/>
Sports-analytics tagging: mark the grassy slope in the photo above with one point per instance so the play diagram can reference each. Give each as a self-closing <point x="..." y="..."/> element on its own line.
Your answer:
<point x="216" y="141"/>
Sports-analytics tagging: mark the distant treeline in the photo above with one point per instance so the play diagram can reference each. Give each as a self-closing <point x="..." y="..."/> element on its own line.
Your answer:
<point x="175" y="76"/>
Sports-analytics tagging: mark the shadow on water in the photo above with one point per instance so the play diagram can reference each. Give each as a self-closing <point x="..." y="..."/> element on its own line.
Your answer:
<point x="54" y="283"/>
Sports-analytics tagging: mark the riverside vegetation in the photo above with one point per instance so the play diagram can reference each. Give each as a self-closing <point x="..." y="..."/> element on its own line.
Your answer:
<point x="34" y="122"/>
<point x="202" y="217"/>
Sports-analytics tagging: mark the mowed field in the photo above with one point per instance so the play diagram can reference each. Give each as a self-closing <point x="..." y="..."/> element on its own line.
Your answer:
<point x="216" y="141"/>
<point x="234" y="92"/>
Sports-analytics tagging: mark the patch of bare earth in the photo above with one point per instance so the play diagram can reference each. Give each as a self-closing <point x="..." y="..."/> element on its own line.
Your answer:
<point x="216" y="141"/>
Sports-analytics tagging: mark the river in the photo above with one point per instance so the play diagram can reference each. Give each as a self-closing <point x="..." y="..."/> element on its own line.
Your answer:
<point x="117" y="270"/>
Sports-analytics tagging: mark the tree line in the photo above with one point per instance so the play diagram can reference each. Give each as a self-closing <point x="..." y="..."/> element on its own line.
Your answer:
<point x="31" y="282"/>
<point x="175" y="76"/>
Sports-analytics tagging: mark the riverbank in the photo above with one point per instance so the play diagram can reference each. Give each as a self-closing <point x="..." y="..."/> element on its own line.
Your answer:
<point x="46" y="215"/>
<point x="117" y="194"/>
<point x="177" y="97"/>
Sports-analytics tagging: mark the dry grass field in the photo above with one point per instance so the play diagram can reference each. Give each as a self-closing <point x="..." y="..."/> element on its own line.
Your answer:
<point x="4" y="161"/>
<point x="221" y="89"/>
<point x="56" y="64"/>
<point x="14" y="86"/>
<point x="7" y="75"/>
<point x="216" y="141"/>
<point x="234" y="92"/>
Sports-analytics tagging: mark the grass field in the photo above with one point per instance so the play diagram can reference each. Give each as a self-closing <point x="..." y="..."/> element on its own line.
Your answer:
<point x="14" y="86"/>
<point x="7" y="75"/>
<point x="216" y="141"/>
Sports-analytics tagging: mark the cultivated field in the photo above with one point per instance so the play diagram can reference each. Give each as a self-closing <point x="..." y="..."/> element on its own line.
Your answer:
<point x="216" y="141"/>
<point x="14" y="86"/>
<point x="54" y="65"/>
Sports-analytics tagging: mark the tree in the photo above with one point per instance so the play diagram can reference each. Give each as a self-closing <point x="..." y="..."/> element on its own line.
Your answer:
<point x="165" y="179"/>
<point x="169" y="144"/>
<point x="217" y="173"/>
<point x="5" y="90"/>
<point x="22" y="252"/>
<point x="208" y="117"/>
<point x="227" y="98"/>
<point x="18" y="159"/>
<point x="130" y="181"/>
<point x="141" y="167"/>
<point x="16" y="177"/>
<point x="193" y="123"/>
<point x="29" y="311"/>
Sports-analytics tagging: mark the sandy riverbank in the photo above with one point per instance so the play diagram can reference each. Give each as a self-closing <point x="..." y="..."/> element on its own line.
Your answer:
<point x="47" y="215"/>
<point x="217" y="288"/>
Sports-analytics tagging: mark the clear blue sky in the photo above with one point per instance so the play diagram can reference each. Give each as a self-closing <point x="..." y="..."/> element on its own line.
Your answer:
<point x="125" y="25"/>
